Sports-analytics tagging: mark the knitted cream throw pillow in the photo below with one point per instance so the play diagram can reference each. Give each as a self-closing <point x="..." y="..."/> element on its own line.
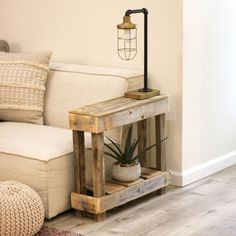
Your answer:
<point x="22" y="86"/>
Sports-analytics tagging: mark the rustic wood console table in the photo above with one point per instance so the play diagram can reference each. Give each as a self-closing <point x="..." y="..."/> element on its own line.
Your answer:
<point x="103" y="116"/>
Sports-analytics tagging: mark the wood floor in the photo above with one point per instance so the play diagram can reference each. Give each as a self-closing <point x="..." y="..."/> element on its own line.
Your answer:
<point x="205" y="208"/>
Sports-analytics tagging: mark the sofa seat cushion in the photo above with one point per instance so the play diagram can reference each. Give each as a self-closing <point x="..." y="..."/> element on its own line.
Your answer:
<point x="37" y="142"/>
<point x="41" y="157"/>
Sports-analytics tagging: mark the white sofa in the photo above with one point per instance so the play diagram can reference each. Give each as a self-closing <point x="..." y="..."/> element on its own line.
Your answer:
<point x="41" y="156"/>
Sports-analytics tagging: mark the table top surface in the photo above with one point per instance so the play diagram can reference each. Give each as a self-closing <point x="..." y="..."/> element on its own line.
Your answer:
<point x="114" y="105"/>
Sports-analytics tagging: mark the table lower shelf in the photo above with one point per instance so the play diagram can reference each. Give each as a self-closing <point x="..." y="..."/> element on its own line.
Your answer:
<point x="121" y="193"/>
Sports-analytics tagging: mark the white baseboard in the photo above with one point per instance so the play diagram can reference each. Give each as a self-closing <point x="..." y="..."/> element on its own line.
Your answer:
<point x="198" y="172"/>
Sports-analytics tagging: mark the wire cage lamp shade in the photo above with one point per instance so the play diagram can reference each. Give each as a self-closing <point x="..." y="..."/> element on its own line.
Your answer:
<point x="127" y="39"/>
<point x="127" y="49"/>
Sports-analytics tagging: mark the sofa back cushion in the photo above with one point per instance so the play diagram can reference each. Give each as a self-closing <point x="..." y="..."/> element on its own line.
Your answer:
<point x="70" y="86"/>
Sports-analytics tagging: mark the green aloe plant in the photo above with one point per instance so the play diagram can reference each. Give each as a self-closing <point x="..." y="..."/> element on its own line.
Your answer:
<point x="127" y="157"/>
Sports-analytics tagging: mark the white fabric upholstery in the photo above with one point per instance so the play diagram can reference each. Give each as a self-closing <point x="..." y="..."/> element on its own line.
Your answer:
<point x="22" y="86"/>
<point x="41" y="157"/>
<point x="34" y="141"/>
<point x="70" y="86"/>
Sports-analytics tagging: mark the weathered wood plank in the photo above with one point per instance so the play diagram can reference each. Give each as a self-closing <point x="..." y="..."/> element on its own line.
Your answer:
<point x="102" y="204"/>
<point x="142" y="134"/>
<point x="98" y="169"/>
<point x="135" y="191"/>
<point x="98" y="165"/>
<point x="85" y="203"/>
<point x="142" y="95"/>
<point x="96" y="121"/>
<point x="126" y="184"/>
<point x="110" y="187"/>
<point x="124" y="133"/>
<point x="160" y="149"/>
<point x="82" y="122"/>
<point x="114" y="105"/>
<point x="79" y="163"/>
<point x="147" y="173"/>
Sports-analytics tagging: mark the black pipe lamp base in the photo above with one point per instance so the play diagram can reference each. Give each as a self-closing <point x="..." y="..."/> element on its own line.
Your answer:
<point x="142" y="93"/>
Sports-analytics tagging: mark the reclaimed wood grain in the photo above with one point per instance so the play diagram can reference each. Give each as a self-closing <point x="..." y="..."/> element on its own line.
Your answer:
<point x="114" y="113"/>
<point x="142" y="134"/>
<point x="98" y="205"/>
<point x="98" y="169"/>
<point x="110" y="187"/>
<point x="79" y="163"/>
<point x="160" y="149"/>
<point x="147" y="173"/>
<point x="141" y="95"/>
<point x="126" y="184"/>
<point x="114" y="105"/>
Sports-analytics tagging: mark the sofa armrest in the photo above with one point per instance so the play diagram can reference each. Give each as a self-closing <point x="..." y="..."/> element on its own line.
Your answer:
<point x="71" y="86"/>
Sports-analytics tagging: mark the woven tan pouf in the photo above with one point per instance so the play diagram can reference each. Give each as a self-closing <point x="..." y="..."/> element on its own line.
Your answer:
<point x="21" y="210"/>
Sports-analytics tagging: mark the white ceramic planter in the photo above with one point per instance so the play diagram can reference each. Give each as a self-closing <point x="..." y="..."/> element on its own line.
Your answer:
<point x="126" y="173"/>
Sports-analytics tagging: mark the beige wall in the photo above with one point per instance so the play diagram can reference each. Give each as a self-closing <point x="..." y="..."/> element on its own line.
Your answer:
<point x="209" y="82"/>
<point x="202" y="122"/>
<point x="85" y="32"/>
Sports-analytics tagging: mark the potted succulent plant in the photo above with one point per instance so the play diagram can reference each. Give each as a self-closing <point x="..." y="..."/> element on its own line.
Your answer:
<point x="126" y="168"/>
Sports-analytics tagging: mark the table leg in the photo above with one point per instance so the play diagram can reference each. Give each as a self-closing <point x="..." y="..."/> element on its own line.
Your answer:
<point x="98" y="169"/>
<point x="142" y="134"/>
<point x="79" y="164"/>
<point x="160" y="149"/>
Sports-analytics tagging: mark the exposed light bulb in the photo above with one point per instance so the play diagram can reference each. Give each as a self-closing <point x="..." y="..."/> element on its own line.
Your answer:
<point x="127" y="35"/>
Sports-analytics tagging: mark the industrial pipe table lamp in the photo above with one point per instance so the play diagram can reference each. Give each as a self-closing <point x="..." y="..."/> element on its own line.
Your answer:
<point x="127" y="50"/>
